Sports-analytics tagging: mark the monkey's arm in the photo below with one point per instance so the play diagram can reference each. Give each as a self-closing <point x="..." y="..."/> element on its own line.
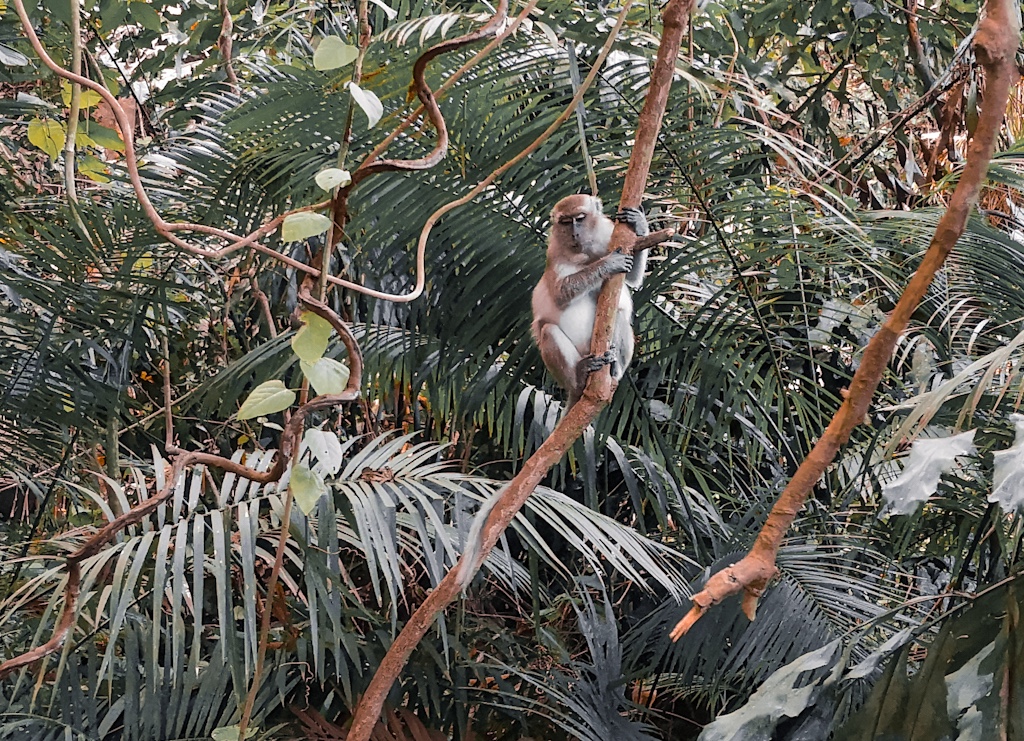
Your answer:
<point x="570" y="286"/>
<point x="637" y="221"/>
<point x="635" y="277"/>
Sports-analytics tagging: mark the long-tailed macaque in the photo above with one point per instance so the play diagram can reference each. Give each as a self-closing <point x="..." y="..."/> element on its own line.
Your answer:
<point x="565" y="300"/>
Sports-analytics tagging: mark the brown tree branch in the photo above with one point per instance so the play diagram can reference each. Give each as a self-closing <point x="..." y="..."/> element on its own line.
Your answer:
<point x="450" y="82"/>
<point x="91" y="548"/>
<point x="921" y="64"/>
<point x="227" y="27"/>
<point x="995" y="46"/>
<point x="514" y="495"/>
<point x="429" y="103"/>
<point x="653" y="239"/>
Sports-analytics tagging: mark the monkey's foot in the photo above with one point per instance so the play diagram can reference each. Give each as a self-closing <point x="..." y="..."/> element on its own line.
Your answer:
<point x="635" y="219"/>
<point x="592" y="363"/>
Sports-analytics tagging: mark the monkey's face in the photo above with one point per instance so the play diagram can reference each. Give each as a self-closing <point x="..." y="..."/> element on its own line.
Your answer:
<point x="577" y="223"/>
<point x="574" y="227"/>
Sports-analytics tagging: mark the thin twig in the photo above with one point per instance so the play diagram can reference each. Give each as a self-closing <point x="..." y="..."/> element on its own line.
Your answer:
<point x="263" y="301"/>
<point x="363" y="44"/>
<point x="74" y="110"/>
<point x="168" y="414"/>
<point x="224" y="44"/>
<point x="268" y="609"/>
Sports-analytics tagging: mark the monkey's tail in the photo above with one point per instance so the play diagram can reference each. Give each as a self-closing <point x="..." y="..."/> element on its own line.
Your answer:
<point x="474" y="540"/>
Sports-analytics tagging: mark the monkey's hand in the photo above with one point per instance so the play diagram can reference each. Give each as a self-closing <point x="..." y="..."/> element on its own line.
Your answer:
<point x="618" y="262"/>
<point x="635" y="219"/>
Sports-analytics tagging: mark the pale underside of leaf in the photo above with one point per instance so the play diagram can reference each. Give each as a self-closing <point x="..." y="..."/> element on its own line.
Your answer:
<point x="929" y="459"/>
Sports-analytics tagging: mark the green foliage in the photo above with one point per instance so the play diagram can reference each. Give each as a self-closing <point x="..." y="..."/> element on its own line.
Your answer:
<point x="967" y="684"/>
<point x="796" y="236"/>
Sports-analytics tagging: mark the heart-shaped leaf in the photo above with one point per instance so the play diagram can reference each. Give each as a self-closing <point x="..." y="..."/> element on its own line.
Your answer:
<point x="307" y="487"/>
<point x="326" y="448"/>
<point x="1008" y="476"/>
<point x="369" y="102"/>
<point x="310" y="342"/>
<point x="48" y="135"/>
<point x="95" y="169"/>
<point x="146" y="17"/>
<point x="326" y="375"/>
<point x="333" y="53"/>
<point x="862" y="9"/>
<point x="87" y="99"/>
<point x="104" y="137"/>
<point x="332" y="177"/>
<point x="303" y="225"/>
<point x="929" y="459"/>
<point x="267" y="398"/>
<point x="230" y="733"/>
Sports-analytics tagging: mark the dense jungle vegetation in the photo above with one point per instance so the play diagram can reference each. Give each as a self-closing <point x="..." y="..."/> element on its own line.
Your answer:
<point x="292" y="464"/>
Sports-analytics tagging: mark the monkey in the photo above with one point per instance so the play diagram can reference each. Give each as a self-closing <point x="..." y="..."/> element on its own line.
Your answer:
<point x="565" y="299"/>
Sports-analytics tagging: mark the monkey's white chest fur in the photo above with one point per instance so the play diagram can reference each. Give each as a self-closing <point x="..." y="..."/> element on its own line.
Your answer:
<point x="577" y="320"/>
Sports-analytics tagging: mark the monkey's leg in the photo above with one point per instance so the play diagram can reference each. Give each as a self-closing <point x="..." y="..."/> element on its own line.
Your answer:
<point x="560" y="357"/>
<point x="622" y="345"/>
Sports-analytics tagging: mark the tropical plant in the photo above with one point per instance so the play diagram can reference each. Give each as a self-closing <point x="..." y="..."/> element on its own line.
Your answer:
<point x="795" y="237"/>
